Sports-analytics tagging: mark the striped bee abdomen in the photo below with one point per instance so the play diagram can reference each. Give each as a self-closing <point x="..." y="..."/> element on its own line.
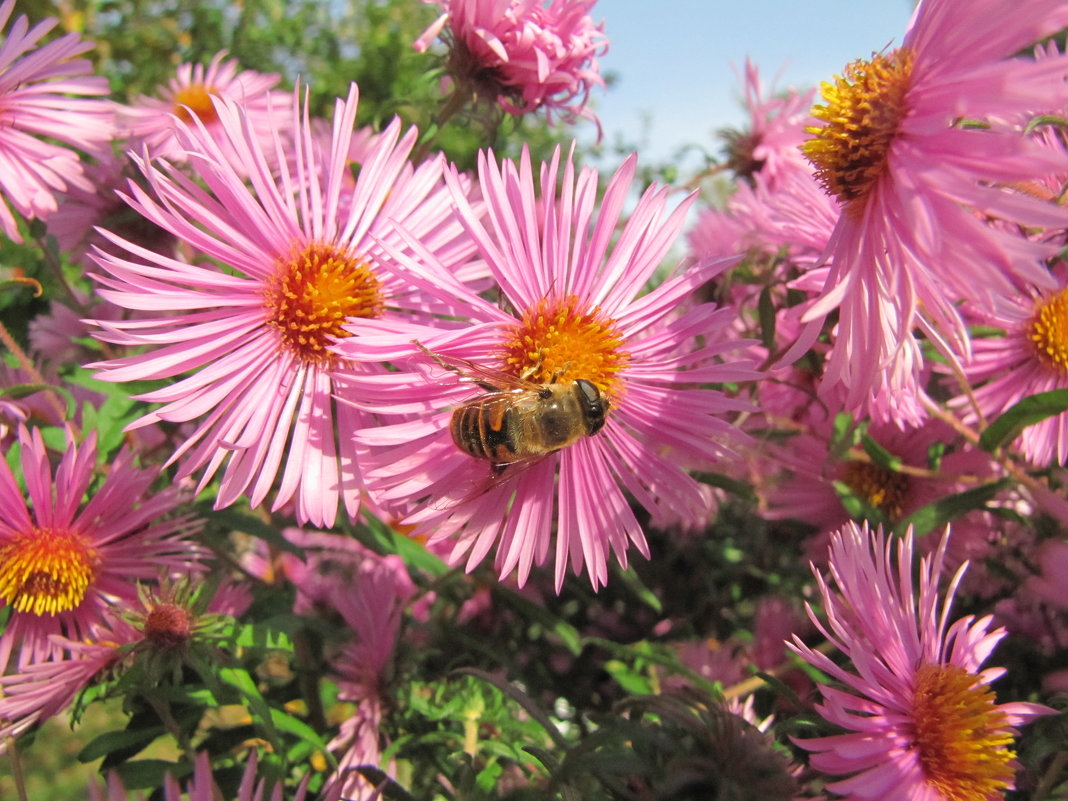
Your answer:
<point x="483" y="430"/>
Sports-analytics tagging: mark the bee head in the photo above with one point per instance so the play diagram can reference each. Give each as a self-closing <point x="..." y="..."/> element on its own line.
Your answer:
<point x="594" y="406"/>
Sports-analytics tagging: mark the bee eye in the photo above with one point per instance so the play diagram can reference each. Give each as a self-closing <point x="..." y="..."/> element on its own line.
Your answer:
<point x="594" y="407"/>
<point x="588" y="391"/>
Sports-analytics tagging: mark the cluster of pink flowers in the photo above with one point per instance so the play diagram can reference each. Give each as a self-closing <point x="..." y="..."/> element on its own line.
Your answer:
<point x="919" y="718"/>
<point x="496" y="363"/>
<point x="523" y="55"/>
<point x="46" y="91"/>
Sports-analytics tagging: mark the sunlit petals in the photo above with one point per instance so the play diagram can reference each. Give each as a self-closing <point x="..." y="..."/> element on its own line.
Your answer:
<point x="299" y="258"/>
<point x="51" y="107"/>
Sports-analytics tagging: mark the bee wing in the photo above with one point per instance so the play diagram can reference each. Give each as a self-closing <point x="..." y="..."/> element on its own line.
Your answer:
<point x="487" y="377"/>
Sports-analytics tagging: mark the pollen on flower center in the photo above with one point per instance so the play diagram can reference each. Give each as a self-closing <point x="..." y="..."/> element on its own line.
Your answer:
<point x="864" y="108"/>
<point x="883" y="489"/>
<point x="959" y="734"/>
<point x="314" y="292"/>
<point x="1049" y="331"/>
<point x="46" y="571"/>
<point x="196" y="99"/>
<point x="559" y="341"/>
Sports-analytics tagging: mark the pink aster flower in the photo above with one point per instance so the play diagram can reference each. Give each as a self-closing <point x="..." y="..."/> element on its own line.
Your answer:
<point x="524" y="55"/>
<point x="1052" y="576"/>
<point x="76" y="225"/>
<point x="154" y="122"/>
<point x="769" y="146"/>
<point x="43" y="690"/>
<point x="80" y="209"/>
<point x="371" y="594"/>
<point x="1031" y="357"/>
<point x="820" y="467"/>
<point x="915" y="188"/>
<point x="373" y="607"/>
<point x="790" y="213"/>
<point x="45" y="92"/>
<point x="921" y="720"/>
<point x="246" y="334"/>
<point x="573" y="315"/>
<point x="64" y="562"/>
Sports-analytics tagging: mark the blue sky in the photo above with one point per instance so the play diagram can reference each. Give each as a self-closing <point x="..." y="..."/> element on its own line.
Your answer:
<point x="673" y="58"/>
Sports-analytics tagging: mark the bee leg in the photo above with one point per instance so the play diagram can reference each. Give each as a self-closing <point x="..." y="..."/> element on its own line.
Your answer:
<point x="558" y="374"/>
<point x="434" y="356"/>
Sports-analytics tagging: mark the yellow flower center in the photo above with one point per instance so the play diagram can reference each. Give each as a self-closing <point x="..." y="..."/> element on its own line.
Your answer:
<point x="1049" y="331"/>
<point x="314" y="292"/>
<point x="559" y="341"/>
<point x="883" y="489"/>
<point x="864" y="108"/>
<point x="46" y="571"/>
<point x="961" y="737"/>
<point x="195" y="100"/>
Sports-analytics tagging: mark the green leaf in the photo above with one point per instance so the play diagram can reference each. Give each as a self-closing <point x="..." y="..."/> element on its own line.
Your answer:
<point x="944" y="510"/>
<point x="273" y="634"/>
<point x="879" y="455"/>
<point x="104" y="744"/>
<point x="845" y="435"/>
<point x="486" y="779"/>
<point x="628" y="678"/>
<point x="310" y="741"/>
<point x="147" y="774"/>
<point x="1027" y="412"/>
<point x="18" y="391"/>
<point x="633" y="582"/>
<point x="568" y="634"/>
<point x="241" y="681"/>
<point x="936" y="451"/>
<point x="413" y="552"/>
<point x="740" y="489"/>
<point x="857" y="507"/>
<point x="521" y="698"/>
<point x="236" y="521"/>
<point x="543" y="756"/>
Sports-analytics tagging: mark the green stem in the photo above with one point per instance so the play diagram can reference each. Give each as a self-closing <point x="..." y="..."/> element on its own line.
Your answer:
<point x="16" y="769"/>
<point x="26" y="363"/>
<point x="163" y="710"/>
<point x="1050" y="776"/>
<point x="57" y="270"/>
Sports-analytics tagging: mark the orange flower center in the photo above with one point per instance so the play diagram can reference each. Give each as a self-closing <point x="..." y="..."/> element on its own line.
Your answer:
<point x="1049" y="331"/>
<point x="195" y="100"/>
<point x="561" y="340"/>
<point x="864" y="108"/>
<point x="314" y="293"/>
<point x="961" y="736"/>
<point x="883" y="489"/>
<point x="46" y="571"/>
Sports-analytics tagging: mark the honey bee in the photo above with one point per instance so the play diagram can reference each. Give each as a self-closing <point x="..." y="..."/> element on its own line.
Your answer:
<point x="518" y="420"/>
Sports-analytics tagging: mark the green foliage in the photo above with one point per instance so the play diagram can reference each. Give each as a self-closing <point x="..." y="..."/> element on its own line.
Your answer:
<point x="1026" y="412"/>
